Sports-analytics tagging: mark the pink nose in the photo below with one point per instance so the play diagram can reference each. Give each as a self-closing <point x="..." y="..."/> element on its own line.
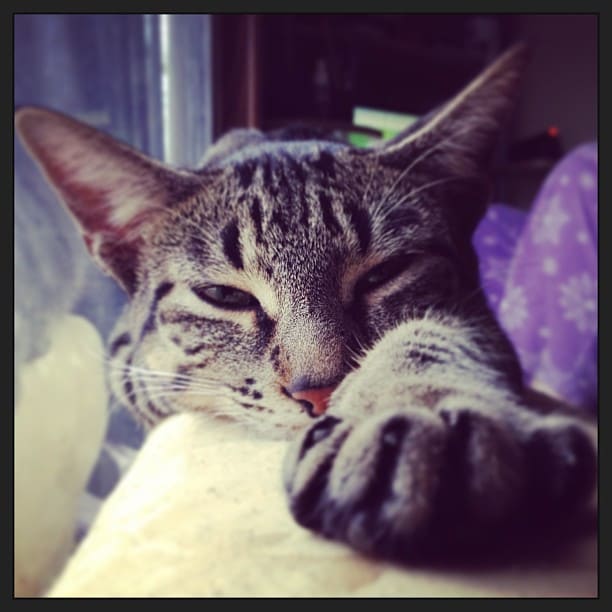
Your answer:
<point x="318" y="398"/>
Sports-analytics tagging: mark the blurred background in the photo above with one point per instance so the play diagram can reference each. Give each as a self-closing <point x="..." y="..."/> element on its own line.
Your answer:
<point x="171" y="84"/>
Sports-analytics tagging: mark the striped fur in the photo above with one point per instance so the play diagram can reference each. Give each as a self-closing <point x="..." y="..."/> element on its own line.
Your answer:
<point x="338" y="267"/>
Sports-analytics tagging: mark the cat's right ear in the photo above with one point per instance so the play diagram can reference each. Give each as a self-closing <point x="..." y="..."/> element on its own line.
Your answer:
<point x="110" y="189"/>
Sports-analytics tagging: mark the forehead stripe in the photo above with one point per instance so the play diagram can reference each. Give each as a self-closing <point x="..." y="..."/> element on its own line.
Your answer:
<point x="325" y="164"/>
<point x="256" y="217"/>
<point x="245" y="173"/>
<point x="160" y="292"/>
<point x="329" y="220"/>
<point x="230" y="237"/>
<point x="360" y="222"/>
<point x="299" y="182"/>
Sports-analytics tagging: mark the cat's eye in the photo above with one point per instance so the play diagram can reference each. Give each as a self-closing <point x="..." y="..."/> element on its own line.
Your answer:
<point x="225" y="297"/>
<point x="383" y="273"/>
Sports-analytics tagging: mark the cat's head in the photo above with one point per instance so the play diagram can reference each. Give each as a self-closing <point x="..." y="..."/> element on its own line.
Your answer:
<point x="255" y="281"/>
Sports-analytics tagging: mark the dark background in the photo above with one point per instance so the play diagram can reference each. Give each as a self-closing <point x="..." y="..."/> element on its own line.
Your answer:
<point x="265" y="69"/>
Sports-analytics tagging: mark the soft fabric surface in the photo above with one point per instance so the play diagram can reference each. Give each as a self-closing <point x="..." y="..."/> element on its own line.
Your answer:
<point x="60" y="419"/>
<point x="201" y="513"/>
<point x="539" y="271"/>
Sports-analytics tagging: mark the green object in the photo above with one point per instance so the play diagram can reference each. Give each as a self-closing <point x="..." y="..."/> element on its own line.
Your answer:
<point x="360" y="140"/>
<point x="389" y="123"/>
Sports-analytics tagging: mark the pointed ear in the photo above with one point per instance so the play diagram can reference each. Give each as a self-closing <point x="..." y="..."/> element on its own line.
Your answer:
<point x="461" y="135"/>
<point x="110" y="190"/>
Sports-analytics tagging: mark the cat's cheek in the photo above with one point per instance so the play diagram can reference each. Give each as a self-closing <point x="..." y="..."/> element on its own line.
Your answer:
<point x="158" y="356"/>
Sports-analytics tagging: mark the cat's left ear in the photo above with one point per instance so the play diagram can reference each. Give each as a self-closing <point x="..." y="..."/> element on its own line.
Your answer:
<point x="461" y="135"/>
<point x="111" y="190"/>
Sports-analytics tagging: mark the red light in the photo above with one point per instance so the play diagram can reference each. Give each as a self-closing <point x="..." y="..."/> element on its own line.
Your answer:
<point x="553" y="131"/>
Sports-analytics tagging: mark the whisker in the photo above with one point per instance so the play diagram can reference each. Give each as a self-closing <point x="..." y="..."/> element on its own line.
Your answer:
<point x="161" y="394"/>
<point x="180" y="389"/>
<point x="194" y="384"/>
<point x="361" y="349"/>
<point x="157" y="374"/>
<point x="101" y="357"/>
<point x="448" y="142"/>
<point x="144" y="375"/>
<point x="431" y="184"/>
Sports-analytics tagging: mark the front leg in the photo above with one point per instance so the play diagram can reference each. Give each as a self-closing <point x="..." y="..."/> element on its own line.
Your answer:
<point x="425" y="445"/>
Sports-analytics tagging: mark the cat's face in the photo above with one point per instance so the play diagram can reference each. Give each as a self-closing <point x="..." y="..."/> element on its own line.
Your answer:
<point x="292" y="260"/>
<point x="256" y="282"/>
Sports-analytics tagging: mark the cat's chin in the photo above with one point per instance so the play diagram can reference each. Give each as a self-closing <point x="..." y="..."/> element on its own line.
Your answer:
<point x="263" y="428"/>
<point x="273" y="429"/>
<point x="269" y="424"/>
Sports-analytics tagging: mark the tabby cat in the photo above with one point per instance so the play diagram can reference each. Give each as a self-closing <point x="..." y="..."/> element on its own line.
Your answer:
<point x="308" y="289"/>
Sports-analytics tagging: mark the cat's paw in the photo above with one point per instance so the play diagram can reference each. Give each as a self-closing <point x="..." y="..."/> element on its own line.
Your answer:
<point x="402" y="483"/>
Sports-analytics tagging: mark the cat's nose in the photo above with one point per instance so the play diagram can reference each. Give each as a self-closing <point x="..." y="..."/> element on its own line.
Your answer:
<point x="315" y="400"/>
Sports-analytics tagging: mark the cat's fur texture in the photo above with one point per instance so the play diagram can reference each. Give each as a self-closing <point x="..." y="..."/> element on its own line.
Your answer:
<point x="355" y="269"/>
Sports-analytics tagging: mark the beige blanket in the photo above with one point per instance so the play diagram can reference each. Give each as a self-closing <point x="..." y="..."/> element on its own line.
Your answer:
<point x="60" y="420"/>
<point x="202" y="513"/>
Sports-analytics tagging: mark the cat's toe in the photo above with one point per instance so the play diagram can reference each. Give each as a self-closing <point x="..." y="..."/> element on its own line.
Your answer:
<point x="372" y="485"/>
<point x="384" y="482"/>
<point x="483" y="474"/>
<point x="307" y="467"/>
<point x="564" y="466"/>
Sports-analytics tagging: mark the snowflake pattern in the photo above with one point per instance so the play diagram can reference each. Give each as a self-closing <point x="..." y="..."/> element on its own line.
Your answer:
<point x="578" y="300"/>
<point x="551" y="222"/>
<point x="550" y="266"/>
<point x="490" y="240"/>
<point x="496" y="269"/>
<point x="549" y="374"/>
<point x="513" y="308"/>
<point x="542" y="284"/>
<point x="529" y="359"/>
<point x="544" y="332"/>
<point x="587" y="180"/>
<point x="572" y="382"/>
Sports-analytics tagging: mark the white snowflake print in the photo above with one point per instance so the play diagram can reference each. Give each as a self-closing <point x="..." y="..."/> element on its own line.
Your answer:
<point x="582" y="237"/>
<point x="578" y="299"/>
<point x="530" y="360"/>
<point x="551" y="222"/>
<point x="544" y="332"/>
<point x="496" y="268"/>
<point x="489" y="240"/>
<point x="587" y="180"/>
<point x="513" y="308"/>
<point x="550" y="266"/>
<point x="549" y="375"/>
